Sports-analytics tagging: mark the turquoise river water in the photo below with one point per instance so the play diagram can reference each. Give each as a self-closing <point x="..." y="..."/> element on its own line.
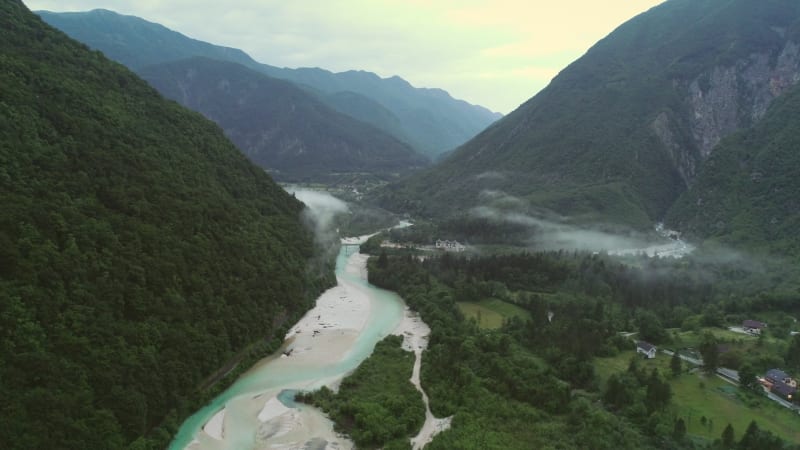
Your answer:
<point x="387" y="309"/>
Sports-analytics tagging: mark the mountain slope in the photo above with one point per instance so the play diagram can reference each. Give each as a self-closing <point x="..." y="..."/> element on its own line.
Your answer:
<point x="279" y="126"/>
<point x="433" y="121"/>
<point x="619" y="134"/>
<point x="366" y="110"/>
<point x="430" y="119"/>
<point x="137" y="43"/>
<point x="139" y="249"/>
<point x="748" y="193"/>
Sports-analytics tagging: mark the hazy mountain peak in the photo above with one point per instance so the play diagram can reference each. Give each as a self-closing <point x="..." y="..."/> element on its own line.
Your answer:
<point x="279" y="126"/>
<point x="432" y="123"/>
<point x="134" y="41"/>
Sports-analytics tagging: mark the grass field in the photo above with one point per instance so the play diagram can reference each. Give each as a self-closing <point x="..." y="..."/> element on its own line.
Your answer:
<point x="605" y="367"/>
<point x="720" y="402"/>
<point x="692" y="338"/>
<point x="695" y="395"/>
<point x="490" y="313"/>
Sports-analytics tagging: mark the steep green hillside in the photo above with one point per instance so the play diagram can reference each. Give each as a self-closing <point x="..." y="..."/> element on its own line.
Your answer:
<point x="278" y="125"/>
<point x="619" y="134"/>
<point x="139" y="250"/>
<point x="429" y="119"/>
<point x="748" y="193"/>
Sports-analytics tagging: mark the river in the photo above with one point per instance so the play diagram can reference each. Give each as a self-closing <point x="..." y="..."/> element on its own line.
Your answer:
<point x="330" y="341"/>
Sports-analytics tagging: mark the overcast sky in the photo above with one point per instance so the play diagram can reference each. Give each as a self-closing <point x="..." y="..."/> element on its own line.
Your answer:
<point x="495" y="53"/>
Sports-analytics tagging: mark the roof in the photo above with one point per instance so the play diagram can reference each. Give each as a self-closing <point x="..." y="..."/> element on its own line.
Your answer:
<point x="646" y="346"/>
<point x="782" y="388"/>
<point x="777" y="374"/>
<point x="753" y="324"/>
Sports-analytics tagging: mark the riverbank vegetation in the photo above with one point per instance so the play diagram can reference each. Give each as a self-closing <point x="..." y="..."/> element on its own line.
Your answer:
<point x="377" y="406"/>
<point x="534" y="382"/>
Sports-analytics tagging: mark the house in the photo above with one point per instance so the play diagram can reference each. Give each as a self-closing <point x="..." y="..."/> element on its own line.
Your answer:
<point x="784" y="390"/>
<point x="780" y="383"/>
<point x="753" y="326"/>
<point x="450" y="246"/>
<point x="647" y="349"/>
<point x="778" y="376"/>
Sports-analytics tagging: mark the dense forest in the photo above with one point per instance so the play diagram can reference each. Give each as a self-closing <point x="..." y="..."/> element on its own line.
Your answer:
<point x="140" y="252"/>
<point x="533" y="383"/>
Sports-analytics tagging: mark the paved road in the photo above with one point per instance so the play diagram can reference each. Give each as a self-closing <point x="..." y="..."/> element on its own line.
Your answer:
<point x="783" y="402"/>
<point x="729" y="374"/>
<point x="696" y="362"/>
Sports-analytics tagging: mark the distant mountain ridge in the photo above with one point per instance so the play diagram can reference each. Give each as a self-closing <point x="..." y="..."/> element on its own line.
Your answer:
<point x="621" y="133"/>
<point x="134" y="42"/>
<point x="428" y="119"/>
<point x="278" y="125"/>
<point x="432" y="121"/>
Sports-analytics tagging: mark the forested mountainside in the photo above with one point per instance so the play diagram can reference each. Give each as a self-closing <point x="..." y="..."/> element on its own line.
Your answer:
<point x="748" y="193"/>
<point x="619" y="134"/>
<point x="278" y="125"/>
<point x="139" y="249"/>
<point x="429" y="119"/>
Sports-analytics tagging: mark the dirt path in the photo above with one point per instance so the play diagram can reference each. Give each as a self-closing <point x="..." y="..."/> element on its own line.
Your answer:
<point x="415" y="338"/>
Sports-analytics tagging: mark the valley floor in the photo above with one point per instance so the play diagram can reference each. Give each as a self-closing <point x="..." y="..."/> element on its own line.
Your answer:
<point x="322" y="338"/>
<point x="324" y="346"/>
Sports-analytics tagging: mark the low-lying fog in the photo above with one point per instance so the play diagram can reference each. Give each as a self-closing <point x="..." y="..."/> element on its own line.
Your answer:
<point x="553" y="233"/>
<point x="322" y="208"/>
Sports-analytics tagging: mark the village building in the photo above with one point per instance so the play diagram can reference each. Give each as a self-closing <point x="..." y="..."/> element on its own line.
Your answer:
<point x="647" y="349"/>
<point x="753" y="326"/>
<point x="450" y="246"/>
<point x="784" y="390"/>
<point x="780" y="383"/>
<point x="777" y="375"/>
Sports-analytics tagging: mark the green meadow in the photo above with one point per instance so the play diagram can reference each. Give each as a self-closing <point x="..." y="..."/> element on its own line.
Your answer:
<point x="489" y="314"/>
<point x="708" y="403"/>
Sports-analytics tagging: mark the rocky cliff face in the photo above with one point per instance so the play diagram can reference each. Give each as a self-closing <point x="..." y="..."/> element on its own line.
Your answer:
<point x="723" y="100"/>
<point x="746" y="194"/>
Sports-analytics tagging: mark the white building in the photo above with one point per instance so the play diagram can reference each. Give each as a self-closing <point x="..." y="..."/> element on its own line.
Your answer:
<point x="647" y="349"/>
<point x="450" y="246"/>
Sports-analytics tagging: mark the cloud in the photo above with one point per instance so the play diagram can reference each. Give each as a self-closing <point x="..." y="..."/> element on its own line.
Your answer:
<point x="550" y="235"/>
<point x="490" y="175"/>
<point x="321" y="210"/>
<point x="549" y="231"/>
